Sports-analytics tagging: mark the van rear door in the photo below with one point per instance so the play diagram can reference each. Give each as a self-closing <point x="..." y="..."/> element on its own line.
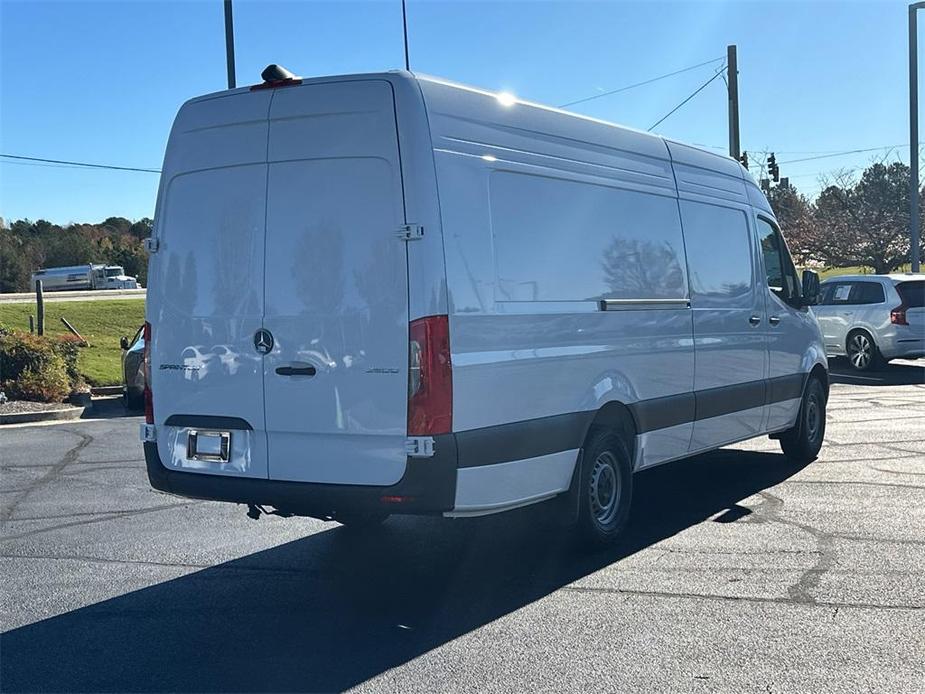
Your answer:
<point x="335" y="287"/>
<point x="205" y="299"/>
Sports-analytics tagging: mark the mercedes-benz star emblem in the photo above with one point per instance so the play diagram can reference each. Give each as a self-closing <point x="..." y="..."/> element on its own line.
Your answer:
<point x="263" y="341"/>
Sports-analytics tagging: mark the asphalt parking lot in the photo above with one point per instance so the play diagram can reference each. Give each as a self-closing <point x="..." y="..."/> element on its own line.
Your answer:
<point x="741" y="573"/>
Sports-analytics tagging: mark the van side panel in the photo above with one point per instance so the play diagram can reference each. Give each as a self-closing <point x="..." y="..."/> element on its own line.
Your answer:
<point x="542" y="221"/>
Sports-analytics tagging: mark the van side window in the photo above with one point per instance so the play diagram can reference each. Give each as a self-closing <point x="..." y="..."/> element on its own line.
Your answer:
<point x="561" y="240"/>
<point x="781" y="273"/>
<point x="719" y="256"/>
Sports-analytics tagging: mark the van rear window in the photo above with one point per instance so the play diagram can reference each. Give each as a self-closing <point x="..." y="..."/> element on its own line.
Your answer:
<point x="912" y="294"/>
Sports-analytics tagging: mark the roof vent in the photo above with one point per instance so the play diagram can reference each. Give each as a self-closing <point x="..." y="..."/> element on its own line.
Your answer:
<point x="276" y="76"/>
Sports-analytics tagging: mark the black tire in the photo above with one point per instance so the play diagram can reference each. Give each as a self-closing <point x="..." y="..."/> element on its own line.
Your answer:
<point x="362" y="521"/>
<point x="862" y="351"/>
<point x="802" y="443"/>
<point x="133" y="403"/>
<point x="605" y="491"/>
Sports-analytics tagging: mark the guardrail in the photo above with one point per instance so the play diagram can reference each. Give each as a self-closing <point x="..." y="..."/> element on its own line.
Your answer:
<point x="86" y="295"/>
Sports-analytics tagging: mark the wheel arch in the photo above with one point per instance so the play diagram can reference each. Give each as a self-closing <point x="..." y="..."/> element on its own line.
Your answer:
<point x="820" y="372"/>
<point x="615" y="416"/>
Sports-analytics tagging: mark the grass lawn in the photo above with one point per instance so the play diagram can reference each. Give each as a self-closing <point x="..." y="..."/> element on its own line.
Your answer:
<point x="101" y="323"/>
<point x="859" y="270"/>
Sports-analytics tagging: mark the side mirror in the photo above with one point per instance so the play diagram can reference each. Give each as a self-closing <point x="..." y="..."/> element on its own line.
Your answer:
<point x="123" y="342"/>
<point x="810" y="288"/>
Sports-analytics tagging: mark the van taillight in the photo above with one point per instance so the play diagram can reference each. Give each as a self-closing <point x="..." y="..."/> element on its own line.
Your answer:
<point x="149" y="400"/>
<point x="430" y="377"/>
<point x="898" y="315"/>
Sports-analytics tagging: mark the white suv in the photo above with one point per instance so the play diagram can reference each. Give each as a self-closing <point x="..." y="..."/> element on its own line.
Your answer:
<point x="873" y="318"/>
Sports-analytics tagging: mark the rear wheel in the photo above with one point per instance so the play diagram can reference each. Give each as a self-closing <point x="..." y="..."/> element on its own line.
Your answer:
<point x="802" y="443"/>
<point x="606" y="488"/>
<point x="863" y="354"/>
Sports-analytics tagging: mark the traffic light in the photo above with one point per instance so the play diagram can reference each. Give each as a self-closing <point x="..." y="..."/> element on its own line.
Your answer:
<point x="773" y="168"/>
<point x="744" y="159"/>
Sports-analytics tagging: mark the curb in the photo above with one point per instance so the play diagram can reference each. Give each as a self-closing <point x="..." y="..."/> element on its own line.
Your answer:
<point x="107" y="390"/>
<point x="46" y="416"/>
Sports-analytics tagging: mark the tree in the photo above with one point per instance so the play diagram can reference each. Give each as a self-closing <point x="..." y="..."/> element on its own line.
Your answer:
<point x="852" y="222"/>
<point x="26" y="246"/>
<point x="795" y="215"/>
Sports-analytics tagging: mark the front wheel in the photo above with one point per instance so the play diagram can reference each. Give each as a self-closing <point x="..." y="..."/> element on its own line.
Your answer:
<point x="802" y="443"/>
<point x="606" y="488"/>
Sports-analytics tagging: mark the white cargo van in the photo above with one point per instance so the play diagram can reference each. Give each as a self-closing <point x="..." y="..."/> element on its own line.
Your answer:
<point x="384" y="293"/>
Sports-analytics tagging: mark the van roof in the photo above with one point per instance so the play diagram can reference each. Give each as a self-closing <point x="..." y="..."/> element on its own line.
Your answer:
<point x="677" y="151"/>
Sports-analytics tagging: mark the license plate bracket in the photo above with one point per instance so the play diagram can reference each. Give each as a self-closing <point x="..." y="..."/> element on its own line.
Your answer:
<point x="208" y="446"/>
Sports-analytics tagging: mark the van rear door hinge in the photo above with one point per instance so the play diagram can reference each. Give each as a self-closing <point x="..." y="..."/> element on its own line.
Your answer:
<point x="419" y="446"/>
<point x="410" y="232"/>
<point x="152" y="244"/>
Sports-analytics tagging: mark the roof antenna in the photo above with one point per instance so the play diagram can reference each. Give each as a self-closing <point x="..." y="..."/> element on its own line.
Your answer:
<point x="404" y="21"/>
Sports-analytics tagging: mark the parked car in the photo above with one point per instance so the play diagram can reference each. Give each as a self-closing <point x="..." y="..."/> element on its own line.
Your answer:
<point x="133" y="373"/>
<point x="873" y="318"/>
<point x="580" y="302"/>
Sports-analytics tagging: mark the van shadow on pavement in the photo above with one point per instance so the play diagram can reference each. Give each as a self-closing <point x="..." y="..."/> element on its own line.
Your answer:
<point x="896" y="374"/>
<point x="335" y="609"/>
<point x="109" y="407"/>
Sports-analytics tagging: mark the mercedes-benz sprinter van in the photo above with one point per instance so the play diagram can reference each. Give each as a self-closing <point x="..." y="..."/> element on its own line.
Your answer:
<point x="385" y="293"/>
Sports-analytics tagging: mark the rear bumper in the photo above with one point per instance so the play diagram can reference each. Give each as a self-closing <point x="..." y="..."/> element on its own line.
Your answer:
<point x="427" y="487"/>
<point x="902" y="342"/>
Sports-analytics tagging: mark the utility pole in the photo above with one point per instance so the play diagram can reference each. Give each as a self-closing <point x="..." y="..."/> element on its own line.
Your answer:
<point x="732" y="71"/>
<point x="404" y="26"/>
<point x="914" y="134"/>
<point x="229" y="44"/>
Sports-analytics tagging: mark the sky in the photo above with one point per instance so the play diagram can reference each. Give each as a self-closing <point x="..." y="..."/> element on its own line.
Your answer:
<point x="100" y="82"/>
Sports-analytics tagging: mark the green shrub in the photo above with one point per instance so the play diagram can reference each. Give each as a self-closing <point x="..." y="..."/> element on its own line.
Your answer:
<point x="33" y="368"/>
<point x="69" y="346"/>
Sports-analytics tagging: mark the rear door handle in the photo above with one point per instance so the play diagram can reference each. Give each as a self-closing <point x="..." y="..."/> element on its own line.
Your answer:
<point x="774" y="320"/>
<point x="295" y="370"/>
<point x="755" y="320"/>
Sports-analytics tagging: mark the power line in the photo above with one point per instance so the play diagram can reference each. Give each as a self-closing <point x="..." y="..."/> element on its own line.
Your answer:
<point x="841" y="154"/>
<point x="639" y="84"/>
<point x="693" y="94"/>
<point x="40" y="165"/>
<point x="80" y="164"/>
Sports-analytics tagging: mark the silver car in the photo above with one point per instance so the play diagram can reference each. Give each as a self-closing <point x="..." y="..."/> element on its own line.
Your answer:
<point x="873" y="318"/>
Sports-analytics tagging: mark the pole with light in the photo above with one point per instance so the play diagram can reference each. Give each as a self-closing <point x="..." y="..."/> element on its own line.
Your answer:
<point x="914" y="134"/>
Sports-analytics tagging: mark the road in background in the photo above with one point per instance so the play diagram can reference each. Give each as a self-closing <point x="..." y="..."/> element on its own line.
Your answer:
<point x="740" y="573"/>
<point x="88" y="295"/>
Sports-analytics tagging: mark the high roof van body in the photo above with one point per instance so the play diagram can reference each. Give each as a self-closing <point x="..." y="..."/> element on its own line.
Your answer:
<point x="384" y="293"/>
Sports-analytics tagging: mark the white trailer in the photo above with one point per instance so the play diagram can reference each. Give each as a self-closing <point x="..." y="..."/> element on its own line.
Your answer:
<point x="75" y="277"/>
